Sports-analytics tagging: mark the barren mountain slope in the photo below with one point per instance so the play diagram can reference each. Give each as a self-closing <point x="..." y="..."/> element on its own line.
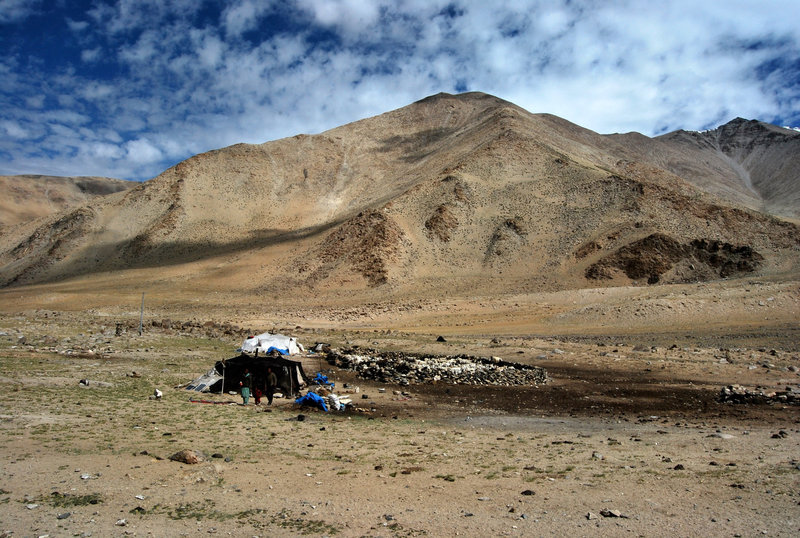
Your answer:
<point x="449" y="195"/>
<point x="23" y="198"/>
<point x="749" y="163"/>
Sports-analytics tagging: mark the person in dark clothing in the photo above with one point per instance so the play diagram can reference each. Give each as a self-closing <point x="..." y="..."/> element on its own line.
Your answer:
<point x="272" y="384"/>
<point x="247" y="386"/>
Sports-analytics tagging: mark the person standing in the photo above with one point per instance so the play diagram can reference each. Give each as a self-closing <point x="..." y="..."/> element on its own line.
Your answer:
<point x="272" y="384"/>
<point x="247" y="386"/>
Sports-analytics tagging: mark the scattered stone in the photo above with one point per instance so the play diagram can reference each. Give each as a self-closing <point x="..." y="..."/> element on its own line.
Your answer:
<point x="605" y="512"/>
<point x="741" y="395"/>
<point x="65" y="515"/>
<point x="121" y="523"/>
<point x="189" y="457"/>
<point x="441" y="339"/>
<point x="679" y="467"/>
<point x="591" y="515"/>
<point x="528" y="492"/>
<point x="720" y="435"/>
<point x="597" y="456"/>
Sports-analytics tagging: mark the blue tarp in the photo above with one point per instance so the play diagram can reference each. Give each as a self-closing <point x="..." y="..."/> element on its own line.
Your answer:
<point x="323" y="380"/>
<point x="312" y="400"/>
<point x="279" y="350"/>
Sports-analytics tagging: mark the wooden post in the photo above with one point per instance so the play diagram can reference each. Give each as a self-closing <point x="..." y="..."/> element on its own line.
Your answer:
<point x="141" y="316"/>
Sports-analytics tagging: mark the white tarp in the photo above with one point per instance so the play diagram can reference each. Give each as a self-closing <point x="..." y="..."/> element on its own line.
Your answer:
<point x="204" y="382"/>
<point x="264" y="343"/>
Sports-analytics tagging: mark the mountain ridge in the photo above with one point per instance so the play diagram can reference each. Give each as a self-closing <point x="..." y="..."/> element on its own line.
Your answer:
<point x="27" y="197"/>
<point x="449" y="194"/>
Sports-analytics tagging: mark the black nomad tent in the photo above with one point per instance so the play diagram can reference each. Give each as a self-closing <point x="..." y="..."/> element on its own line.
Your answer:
<point x="230" y="372"/>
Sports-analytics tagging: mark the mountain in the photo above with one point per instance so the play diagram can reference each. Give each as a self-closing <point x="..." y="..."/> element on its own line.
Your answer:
<point x="23" y="198"/>
<point x="744" y="161"/>
<point x="454" y="194"/>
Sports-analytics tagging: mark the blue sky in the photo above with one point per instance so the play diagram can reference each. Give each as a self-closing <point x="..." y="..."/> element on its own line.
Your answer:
<point x="128" y="88"/>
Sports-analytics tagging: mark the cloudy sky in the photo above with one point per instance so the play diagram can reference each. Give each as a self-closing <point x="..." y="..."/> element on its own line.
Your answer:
<point x="127" y="88"/>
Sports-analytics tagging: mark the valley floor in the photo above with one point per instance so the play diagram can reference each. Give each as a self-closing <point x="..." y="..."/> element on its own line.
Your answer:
<point x="627" y="437"/>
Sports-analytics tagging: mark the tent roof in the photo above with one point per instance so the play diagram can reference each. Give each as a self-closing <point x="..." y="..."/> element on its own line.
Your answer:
<point x="247" y="361"/>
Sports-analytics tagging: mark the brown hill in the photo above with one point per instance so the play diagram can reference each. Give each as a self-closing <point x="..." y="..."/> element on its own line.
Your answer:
<point x="452" y="195"/>
<point x="27" y="197"/>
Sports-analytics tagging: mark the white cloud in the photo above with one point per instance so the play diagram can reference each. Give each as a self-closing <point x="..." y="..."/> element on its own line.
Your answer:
<point x="14" y="11"/>
<point x="347" y="14"/>
<point x="34" y="101"/>
<point x="243" y="15"/>
<point x="14" y="129"/>
<point x="142" y="151"/>
<point x="77" y="26"/>
<point x="101" y="150"/>
<point x="91" y="55"/>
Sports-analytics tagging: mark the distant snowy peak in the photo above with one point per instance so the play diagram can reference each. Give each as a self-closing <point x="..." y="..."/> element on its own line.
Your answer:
<point x="739" y="123"/>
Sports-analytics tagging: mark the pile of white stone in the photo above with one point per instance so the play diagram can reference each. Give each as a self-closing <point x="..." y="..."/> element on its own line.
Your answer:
<point x="406" y="369"/>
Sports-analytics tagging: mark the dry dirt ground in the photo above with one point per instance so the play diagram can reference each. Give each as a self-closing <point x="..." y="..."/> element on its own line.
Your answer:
<point x="627" y="427"/>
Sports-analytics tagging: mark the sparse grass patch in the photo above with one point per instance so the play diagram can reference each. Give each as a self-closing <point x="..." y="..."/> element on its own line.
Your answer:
<point x="68" y="500"/>
<point x="201" y="510"/>
<point x="303" y="526"/>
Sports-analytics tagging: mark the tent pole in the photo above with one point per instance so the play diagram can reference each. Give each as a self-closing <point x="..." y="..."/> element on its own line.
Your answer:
<point x="222" y="388"/>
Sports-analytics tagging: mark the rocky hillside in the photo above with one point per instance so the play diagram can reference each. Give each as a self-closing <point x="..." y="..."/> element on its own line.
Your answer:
<point x="24" y="198"/>
<point x="750" y="162"/>
<point x="461" y="194"/>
